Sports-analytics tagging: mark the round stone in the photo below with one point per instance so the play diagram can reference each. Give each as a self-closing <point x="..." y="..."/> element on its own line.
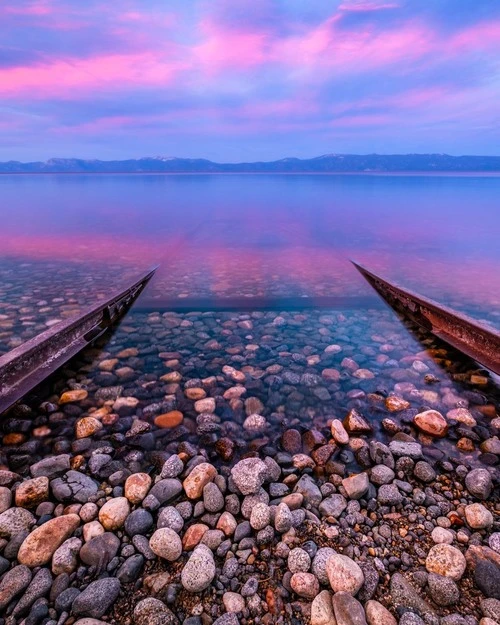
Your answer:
<point x="260" y="516"/>
<point x="431" y="422"/>
<point x="446" y="560"/>
<point x="249" y="475"/>
<point x="305" y="585"/>
<point x="298" y="560"/>
<point x="233" y="602"/>
<point x="441" y="535"/>
<point x="114" y="512"/>
<point x="479" y="483"/>
<point x="169" y="420"/>
<point x="443" y="590"/>
<point x="87" y="427"/>
<point x="319" y="563"/>
<point x="344" y="574"/>
<point x="137" y="487"/>
<point x="199" y="571"/>
<point x="166" y="544"/>
<point x="170" y="517"/>
<point x="477" y="516"/>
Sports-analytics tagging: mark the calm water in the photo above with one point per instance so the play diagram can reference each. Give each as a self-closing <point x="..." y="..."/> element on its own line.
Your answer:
<point x="67" y="237"/>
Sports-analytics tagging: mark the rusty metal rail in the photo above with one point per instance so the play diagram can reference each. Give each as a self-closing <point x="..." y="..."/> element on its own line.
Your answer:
<point x="29" y="364"/>
<point x="465" y="334"/>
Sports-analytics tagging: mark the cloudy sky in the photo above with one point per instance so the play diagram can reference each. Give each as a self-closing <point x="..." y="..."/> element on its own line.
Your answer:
<point x="248" y="79"/>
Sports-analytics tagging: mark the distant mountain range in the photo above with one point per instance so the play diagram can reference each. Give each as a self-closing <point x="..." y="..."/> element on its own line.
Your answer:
<point x="321" y="164"/>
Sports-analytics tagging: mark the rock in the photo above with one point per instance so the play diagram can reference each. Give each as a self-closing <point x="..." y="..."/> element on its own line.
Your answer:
<point x="393" y="403"/>
<point x="227" y="619"/>
<point x="356" y="485"/>
<point x="376" y="614"/>
<point x="255" y="423"/>
<point x="205" y="405"/>
<point x="477" y="516"/>
<point x="333" y="506"/>
<point x="51" y="467"/>
<point x="233" y="602"/>
<point x="380" y="474"/>
<point x="283" y="518"/>
<point x="339" y="432"/>
<point x="479" y="483"/>
<point x="39" y="587"/>
<point x="198" y="478"/>
<point x="309" y="490"/>
<point x="405" y="448"/>
<point x="169" y="420"/>
<point x="446" y="560"/>
<point x="322" y="609"/>
<point x="39" y="546"/>
<point x="65" y="558"/>
<point x="494" y="541"/>
<point x="431" y="422"/>
<point x="73" y="396"/>
<point x="139" y="521"/>
<point x="389" y="495"/>
<point x="491" y="608"/>
<point x="172" y="467"/>
<point x="97" y="598"/>
<point x="130" y="569"/>
<point x="487" y="578"/>
<point x="305" y="585"/>
<point x="424" y="472"/>
<point x="5" y="498"/>
<point x="347" y="610"/>
<point x="137" y="487"/>
<point x="73" y="486"/>
<point x="298" y="560"/>
<point x="443" y="590"/>
<point x="163" y="492"/>
<point x="344" y="575"/>
<point x="193" y="535"/>
<point x="405" y="595"/>
<point x="114" y="512"/>
<point x="260" y="516"/>
<point x="354" y="423"/>
<point x="199" y="570"/>
<point x="441" y="535"/>
<point x="86" y="427"/>
<point x="166" y="544"/>
<point x="15" y="520"/>
<point x="151" y="611"/>
<point x="32" y="492"/>
<point x="249" y="475"/>
<point x="99" y="551"/>
<point x="170" y="517"/>
<point x="318" y="566"/>
<point x="213" y="499"/>
<point x="12" y="583"/>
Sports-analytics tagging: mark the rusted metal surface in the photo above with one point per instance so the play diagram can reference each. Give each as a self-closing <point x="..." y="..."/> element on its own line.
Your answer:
<point x="29" y="364"/>
<point x="480" y="342"/>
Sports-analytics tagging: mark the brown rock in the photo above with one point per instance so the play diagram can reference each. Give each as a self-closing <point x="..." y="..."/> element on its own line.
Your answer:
<point x="354" y="423"/>
<point x="169" y="420"/>
<point x="87" y="427"/>
<point x="193" y="535"/>
<point x="199" y="477"/>
<point x="72" y="396"/>
<point x="431" y="422"/>
<point x="38" y="547"/>
<point x="393" y="403"/>
<point x="32" y="492"/>
<point x="137" y="487"/>
<point x="194" y="394"/>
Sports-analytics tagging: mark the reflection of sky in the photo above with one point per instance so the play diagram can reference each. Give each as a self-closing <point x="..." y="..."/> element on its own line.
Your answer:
<point x="286" y="235"/>
<point x="247" y="80"/>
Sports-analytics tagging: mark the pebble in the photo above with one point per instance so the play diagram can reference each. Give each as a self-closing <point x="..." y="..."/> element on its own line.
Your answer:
<point x="137" y="487"/>
<point x="442" y="535"/>
<point x="298" y="560"/>
<point x="233" y="602"/>
<point x="73" y="486"/>
<point x="322" y="609"/>
<point x="477" y="516"/>
<point x="15" y="520"/>
<point x="39" y="546"/>
<point x="431" y="422"/>
<point x="32" y="492"/>
<point x="199" y="571"/>
<point x="198" y="478"/>
<point x="260" y="516"/>
<point x="166" y="544"/>
<point x="65" y="558"/>
<point x="169" y="420"/>
<point x="347" y="610"/>
<point x="305" y="585"/>
<point x="13" y="583"/>
<point x="344" y="575"/>
<point x="443" y="590"/>
<point x="356" y="485"/>
<point x="97" y="597"/>
<point x="377" y="614"/>
<point x="114" y="512"/>
<point x="479" y="483"/>
<point x="249" y="475"/>
<point x="446" y="560"/>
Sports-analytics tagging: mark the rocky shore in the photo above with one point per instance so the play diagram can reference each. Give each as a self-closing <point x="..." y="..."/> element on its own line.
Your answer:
<point x="229" y="468"/>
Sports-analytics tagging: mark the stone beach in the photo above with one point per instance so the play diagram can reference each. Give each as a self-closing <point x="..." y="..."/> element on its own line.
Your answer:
<point x="320" y="467"/>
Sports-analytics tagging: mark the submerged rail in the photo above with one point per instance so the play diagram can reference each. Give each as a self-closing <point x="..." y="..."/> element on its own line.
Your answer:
<point x="465" y="334"/>
<point x="29" y="364"/>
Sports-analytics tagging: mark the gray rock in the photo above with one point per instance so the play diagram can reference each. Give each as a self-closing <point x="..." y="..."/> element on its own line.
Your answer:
<point x="479" y="483"/>
<point x="139" y="521"/>
<point x="65" y="558"/>
<point x="443" y="590"/>
<point x="65" y="599"/>
<point x="199" y="571"/>
<point x="487" y="578"/>
<point x="491" y="608"/>
<point x="130" y="569"/>
<point x="15" y="520"/>
<point x="12" y="583"/>
<point x="424" y="471"/>
<point x="152" y="611"/>
<point x="100" y="550"/>
<point x="404" y="448"/>
<point x="73" y="486"/>
<point x="171" y="518"/>
<point x="381" y="454"/>
<point x="51" y="467"/>
<point x="318" y="566"/>
<point x="229" y="618"/>
<point x="166" y="490"/>
<point x="406" y="595"/>
<point x="213" y="499"/>
<point x="494" y="541"/>
<point x="39" y="587"/>
<point x="97" y="598"/>
<point x="347" y="610"/>
<point x="249" y="475"/>
<point x="308" y="488"/>
<point x="410" y="618"/>
<point x="381" y="474"/>
<point x="173" y="467"/>
<point x="250" y="587"/>
<point x="389" y="495"/>
<point x="333" y="506"/>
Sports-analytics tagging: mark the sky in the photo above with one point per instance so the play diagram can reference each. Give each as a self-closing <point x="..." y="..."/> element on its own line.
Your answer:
<point x="246" y="80"/>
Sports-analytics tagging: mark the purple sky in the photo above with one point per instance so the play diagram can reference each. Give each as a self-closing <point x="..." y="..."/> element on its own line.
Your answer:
<point x="240" y="80"/>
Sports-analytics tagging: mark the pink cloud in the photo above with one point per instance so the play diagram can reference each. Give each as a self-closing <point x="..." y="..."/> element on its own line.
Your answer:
<point x="37" y="7"/>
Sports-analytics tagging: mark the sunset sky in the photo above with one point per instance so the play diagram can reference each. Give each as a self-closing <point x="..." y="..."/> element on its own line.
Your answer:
<point x="235" y="80"/>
